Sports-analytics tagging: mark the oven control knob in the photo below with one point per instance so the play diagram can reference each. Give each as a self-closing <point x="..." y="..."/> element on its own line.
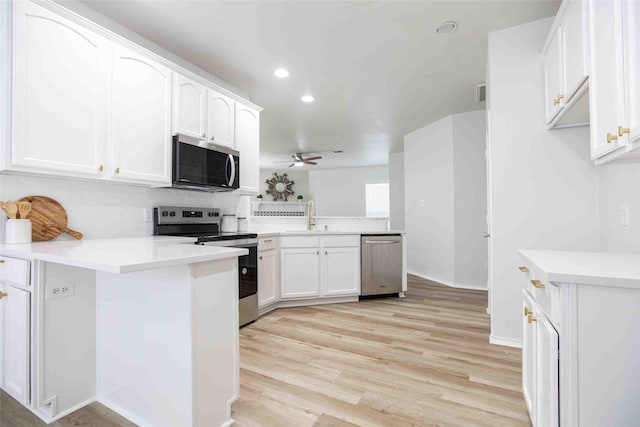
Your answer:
<point x="165" y="213"/>
<point x="244" y="271"/>
<point x="210" y="213"/>
<point x="172" y="213"/>
<point x="216" y="214"/>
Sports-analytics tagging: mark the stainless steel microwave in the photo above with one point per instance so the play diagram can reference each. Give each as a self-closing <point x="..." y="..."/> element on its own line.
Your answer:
<point x="200" y="165"/>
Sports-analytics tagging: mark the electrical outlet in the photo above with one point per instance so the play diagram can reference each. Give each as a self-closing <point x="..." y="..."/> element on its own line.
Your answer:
<point x="59" y="290"/>
<point x="147" y="215"/>
<point x="624" y="216"/>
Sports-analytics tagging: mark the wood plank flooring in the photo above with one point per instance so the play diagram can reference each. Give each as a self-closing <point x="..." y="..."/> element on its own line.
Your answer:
<point x="420" y="361"/>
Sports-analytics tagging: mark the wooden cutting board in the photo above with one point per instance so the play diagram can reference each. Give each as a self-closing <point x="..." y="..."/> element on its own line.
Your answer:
<point x="48" y="219"/>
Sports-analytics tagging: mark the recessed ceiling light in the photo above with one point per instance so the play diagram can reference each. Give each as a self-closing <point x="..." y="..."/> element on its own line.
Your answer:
<point x="446" y="28"/>
<point x="307" y="98"/>
<point x="281" y="73"/>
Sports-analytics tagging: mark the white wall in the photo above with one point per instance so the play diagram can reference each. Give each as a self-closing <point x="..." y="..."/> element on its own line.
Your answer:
<point x="618" y="187"/>
<point x="341" y="192"/>
<point x="396" y="191"/>
<point x="104" y="210"/>
<point x="445" y="168"/>
<point x="470" y="200"/>
<point x="543" y="183"/>
<point x="301" y="186"/>
<point x="429" y="210"/>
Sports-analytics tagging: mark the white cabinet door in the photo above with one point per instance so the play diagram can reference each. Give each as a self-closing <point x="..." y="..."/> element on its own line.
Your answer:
<point x="59" y="93"/>
<point x="341" y="271"/>
<point x="267" y="278"/>
<point x="248" y="144"/>
<point x="546" y="373"/>
<point x="631" y="40"/>
<point x="15" y="346"/>
<point x="189" y="107"/>
<point x="575" y="71"/>
<point x="529" y="356"/>
<point x="300" y="272"/>
<point x="141" y="119"/>
<point x="553" y="76"/>
<point x="220" y="119"/>
<point x="605" y="85"/>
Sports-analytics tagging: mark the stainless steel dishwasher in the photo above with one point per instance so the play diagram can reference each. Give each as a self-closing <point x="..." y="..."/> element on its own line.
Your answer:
<point x="381" y="264"/>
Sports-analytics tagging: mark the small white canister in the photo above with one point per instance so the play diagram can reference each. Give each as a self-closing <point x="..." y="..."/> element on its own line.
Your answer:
<point x="229" y="223"/>
<point x="243" y="224"/>
<point x="18" y="231"/>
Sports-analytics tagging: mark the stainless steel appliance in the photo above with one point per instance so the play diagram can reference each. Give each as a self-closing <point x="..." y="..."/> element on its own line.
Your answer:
<point x="204" y="224"/>
<point x="200" y="165"/>
<point x="381" y="264"/>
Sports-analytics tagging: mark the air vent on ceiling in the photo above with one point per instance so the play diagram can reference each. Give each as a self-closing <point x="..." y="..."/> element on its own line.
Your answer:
<point x="481" y="92"/>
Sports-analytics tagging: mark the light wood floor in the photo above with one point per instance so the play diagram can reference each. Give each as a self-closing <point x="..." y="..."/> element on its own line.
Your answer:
<point x="423" y="360"/>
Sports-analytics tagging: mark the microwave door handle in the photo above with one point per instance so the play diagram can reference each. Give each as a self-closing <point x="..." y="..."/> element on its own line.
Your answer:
<point x="232" y="178"/>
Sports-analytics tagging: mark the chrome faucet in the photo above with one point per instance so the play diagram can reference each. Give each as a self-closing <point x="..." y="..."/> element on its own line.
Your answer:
<point x="311" y="211"/>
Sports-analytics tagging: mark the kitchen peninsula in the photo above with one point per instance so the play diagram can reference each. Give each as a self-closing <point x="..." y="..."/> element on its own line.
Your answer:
<point x="146" y="326"/>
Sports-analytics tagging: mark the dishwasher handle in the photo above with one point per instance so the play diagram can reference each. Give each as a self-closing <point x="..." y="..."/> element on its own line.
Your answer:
<point x="381" y="242"/>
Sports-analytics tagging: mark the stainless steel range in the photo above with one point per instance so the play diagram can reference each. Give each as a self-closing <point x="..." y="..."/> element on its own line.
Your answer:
<point x="204" y="224"/>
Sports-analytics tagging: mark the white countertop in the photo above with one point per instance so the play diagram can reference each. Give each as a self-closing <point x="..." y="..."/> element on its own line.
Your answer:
<point x="590" y="268"/>
<point x="321" y="232"/>
<point x="121" y="255"/>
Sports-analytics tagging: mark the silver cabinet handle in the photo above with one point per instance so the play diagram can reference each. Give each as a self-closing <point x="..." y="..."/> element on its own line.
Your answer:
<point x="382" y="242"/>
<point x="486" y="235"/>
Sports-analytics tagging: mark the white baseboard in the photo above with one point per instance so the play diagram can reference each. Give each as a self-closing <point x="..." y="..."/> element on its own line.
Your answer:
<point x="471" y="286"/>
<point x="507" y="342"/>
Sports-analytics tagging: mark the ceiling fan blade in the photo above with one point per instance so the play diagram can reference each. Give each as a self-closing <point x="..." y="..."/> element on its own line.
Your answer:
<point x="292" y="164"/>
<point x="297" y="157"/>
<point x="310" y="163"/>
<point x="313" y="158"/>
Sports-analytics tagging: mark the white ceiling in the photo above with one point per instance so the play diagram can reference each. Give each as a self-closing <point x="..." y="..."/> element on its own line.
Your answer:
<point x="377" y="69"/>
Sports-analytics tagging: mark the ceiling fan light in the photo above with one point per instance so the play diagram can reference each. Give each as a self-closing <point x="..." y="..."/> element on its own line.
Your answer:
<point x="298" y="163"/>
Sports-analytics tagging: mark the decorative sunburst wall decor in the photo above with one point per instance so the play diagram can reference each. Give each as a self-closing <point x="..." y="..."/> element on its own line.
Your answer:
<point x="280" y="187"/>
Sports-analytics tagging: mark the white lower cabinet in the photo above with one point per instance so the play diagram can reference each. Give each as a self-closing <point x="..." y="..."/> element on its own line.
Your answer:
<point x="15" y="315"/>
<point x="300" y="269"/>
<point x="341" y="271"/>
<point x="579" y="353"/>
<point x="323" y="266"/>
<point x="268" y="272"/>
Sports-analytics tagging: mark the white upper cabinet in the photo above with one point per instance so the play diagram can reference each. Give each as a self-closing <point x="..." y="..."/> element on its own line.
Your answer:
<point x="247" y="135"/>
<point x="141" y="119"/>
<point x="189" y="107"/>
<point x="202" y="112"/>
<point x="614" y="87"/>
<point x="59" y="93"/>
<point x="576" y="68"/>
<point x="220" y="119"/>
<point x="553" y="76"/>
<point x="566" y="68"/>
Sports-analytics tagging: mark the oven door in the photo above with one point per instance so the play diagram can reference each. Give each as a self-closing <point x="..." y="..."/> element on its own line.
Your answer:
<point x="248" y="271"/>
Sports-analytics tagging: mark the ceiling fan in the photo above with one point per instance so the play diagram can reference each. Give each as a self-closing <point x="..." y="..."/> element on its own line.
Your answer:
<point x="299" y="160"/>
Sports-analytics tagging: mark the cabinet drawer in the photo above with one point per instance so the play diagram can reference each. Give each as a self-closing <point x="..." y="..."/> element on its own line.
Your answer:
<point x="299" y="242"/>
<point x="265" y="243"/>
<point x="15" y="271"/>
<point x="341" y="241"/>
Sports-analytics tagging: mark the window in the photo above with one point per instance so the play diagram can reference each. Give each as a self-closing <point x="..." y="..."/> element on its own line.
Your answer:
<point x="377" y="199"/>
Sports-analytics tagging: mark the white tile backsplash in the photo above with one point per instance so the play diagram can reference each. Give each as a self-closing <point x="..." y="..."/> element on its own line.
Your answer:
<point x="106" y="209"/>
